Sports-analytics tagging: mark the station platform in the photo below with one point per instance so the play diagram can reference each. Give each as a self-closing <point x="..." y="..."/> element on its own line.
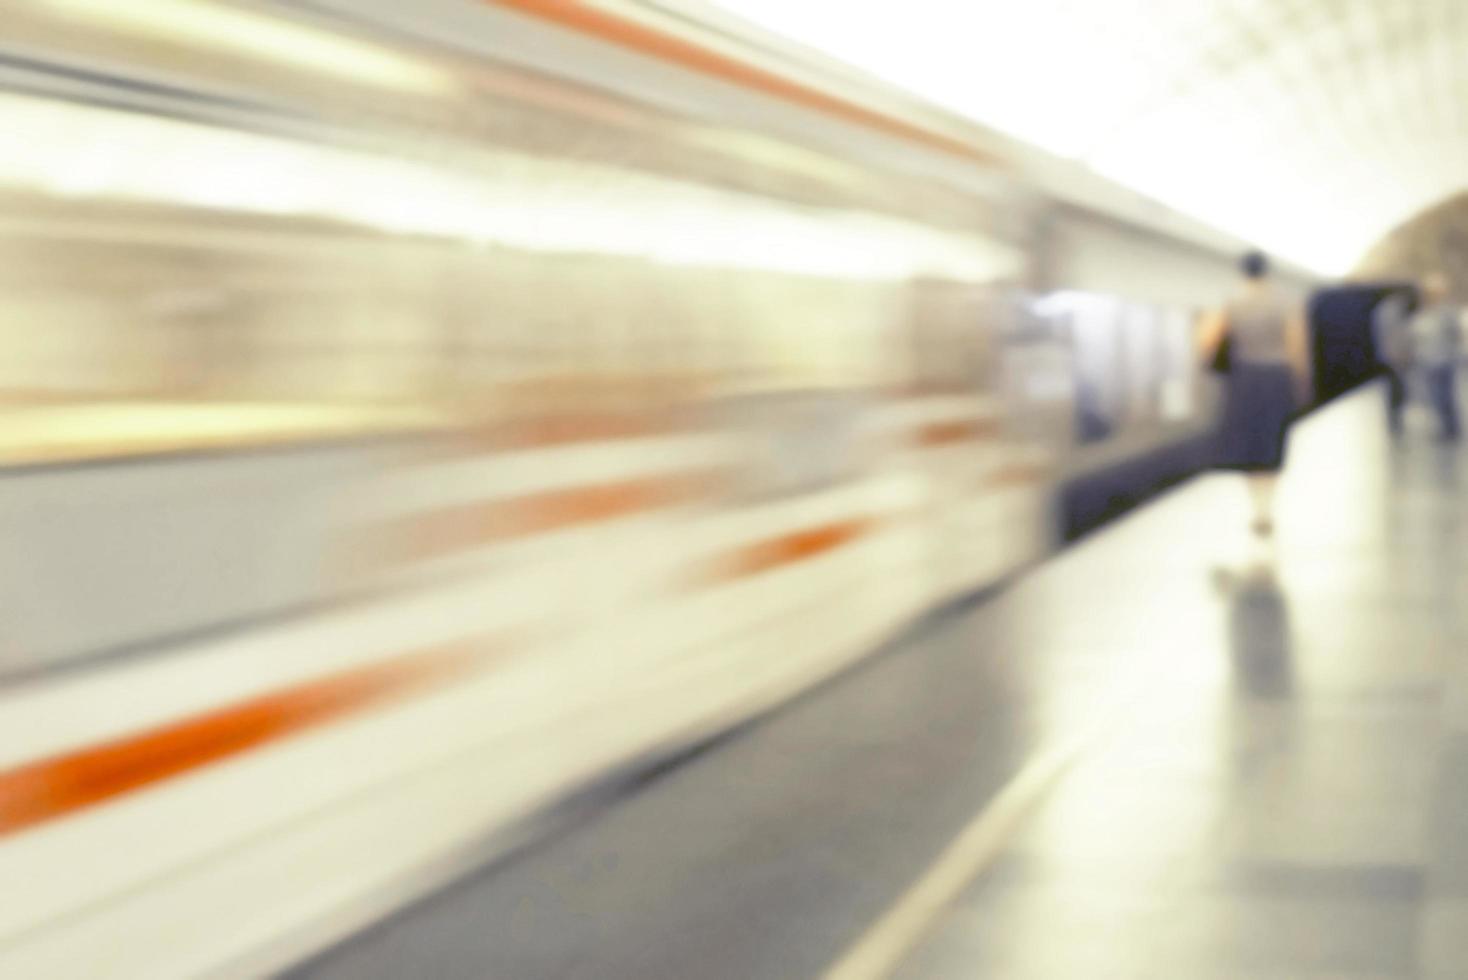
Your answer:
<point x="1170" y="752"/>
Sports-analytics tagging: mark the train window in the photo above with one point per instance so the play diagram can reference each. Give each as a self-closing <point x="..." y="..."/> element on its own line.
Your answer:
<point x="1132" y="364"/>
<point x="1036" y="367"/>
<point x="1178" y="396"/>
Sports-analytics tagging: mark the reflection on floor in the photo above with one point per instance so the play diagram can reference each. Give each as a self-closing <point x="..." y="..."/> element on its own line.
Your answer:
<point x="1284" y="793"/>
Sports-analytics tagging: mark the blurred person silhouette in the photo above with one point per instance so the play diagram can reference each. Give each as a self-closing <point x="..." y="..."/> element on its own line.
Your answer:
<point x="1391" y="330"/>
<point x="1259" y="342"/>
<point x="1436" y="332"/>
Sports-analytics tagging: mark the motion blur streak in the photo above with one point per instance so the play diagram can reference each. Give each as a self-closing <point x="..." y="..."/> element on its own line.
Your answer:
<point x="80" y="151"/>
<point x="608" y="26"/>
<point x="415" y="414"/>
<point x="766" y="555"/>
<point x="56" y="787"/>
<point x="469" y="525"/>
<point x="199" y="23"/>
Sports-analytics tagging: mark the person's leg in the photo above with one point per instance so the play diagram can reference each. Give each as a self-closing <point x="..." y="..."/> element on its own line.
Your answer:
<point x="1442" y="384"/>
<point x="1396" y="398"/>
<point x="1261" y="492"/>
<point x="1451" y="427"/>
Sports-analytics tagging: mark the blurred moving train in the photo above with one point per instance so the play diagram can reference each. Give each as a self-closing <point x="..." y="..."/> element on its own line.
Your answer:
<point x="418" y="411"/>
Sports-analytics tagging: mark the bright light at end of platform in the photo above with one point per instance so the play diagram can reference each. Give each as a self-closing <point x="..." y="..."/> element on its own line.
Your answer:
<point x="1271" y="122"/>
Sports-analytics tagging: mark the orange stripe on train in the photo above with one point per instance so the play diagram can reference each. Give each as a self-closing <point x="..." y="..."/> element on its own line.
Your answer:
<point x="434" y="534"/>
<point x="787" y="549"/>
<point x="53" y="788"/>
<point x="56" y="787"/>
<point x="944" y="433"/>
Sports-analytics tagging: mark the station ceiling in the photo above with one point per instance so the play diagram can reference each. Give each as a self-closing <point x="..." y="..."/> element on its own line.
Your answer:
<point x="1311" y="127"/>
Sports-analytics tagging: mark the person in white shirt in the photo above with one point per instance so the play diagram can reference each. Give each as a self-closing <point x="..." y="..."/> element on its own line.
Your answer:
<point x="1436" y="333"/>
<point x="1390" y="322"/>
